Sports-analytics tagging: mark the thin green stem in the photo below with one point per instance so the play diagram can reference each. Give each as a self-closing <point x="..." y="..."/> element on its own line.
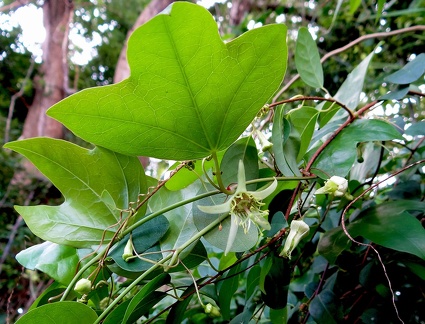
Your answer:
<point x="80" y="273"/>
<point x="218" y="175"/>
<point x="130" y="287"/>
<point x="164" y="210"/>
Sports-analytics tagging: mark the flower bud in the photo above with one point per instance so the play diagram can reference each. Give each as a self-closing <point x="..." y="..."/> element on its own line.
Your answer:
<point x="128" y="251"/>
<point x="83" y="286"/>
<point x="299" y="229"/>
<point x="336" y="186"/>
<point x="211" y="310"/>
<point x="264" y="142"/>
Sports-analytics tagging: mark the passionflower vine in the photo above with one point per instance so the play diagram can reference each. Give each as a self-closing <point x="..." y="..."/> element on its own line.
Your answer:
<point x="244" y="208"/>
<point x="298" y="230"/>
<point x="336" y="186"/>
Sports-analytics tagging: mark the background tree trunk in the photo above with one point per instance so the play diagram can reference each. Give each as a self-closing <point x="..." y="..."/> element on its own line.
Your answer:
<point x="122" y="70"/>
<point x="50" y="86"/>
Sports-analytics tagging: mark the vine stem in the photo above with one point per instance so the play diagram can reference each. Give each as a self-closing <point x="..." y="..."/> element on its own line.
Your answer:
<point x="344" y="228"/>
<point x="159" y="264"/>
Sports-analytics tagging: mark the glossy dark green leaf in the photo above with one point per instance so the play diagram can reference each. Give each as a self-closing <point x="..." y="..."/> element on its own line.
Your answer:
<point x="146" y="298"/>
<point x="96" y="184"/>
<point x="332" y="243"/>
<point x="390" y="225"/>
<point x="338" y="157"/>
<point x="192" y="259"/>
<point x="54" y="290"/>
<point x="245" y="150"/>
<point x="286" y="144"/>
<point x="227" y="289"/>
<point x="145" y="239"/>
<point x="304" y="120"/>
<point x="411" y="72"/>
<point x="189" y="93"/>
<point x="276" y="284"/>
<point x="67" y="312"/>
<point x="323" y="308"/>
<point x="279" y="315"/>
<point x="58" y="261"/>
<point x="115" y="317"/>
<point x="252" y="281"/>
<point x="307" y="59"/>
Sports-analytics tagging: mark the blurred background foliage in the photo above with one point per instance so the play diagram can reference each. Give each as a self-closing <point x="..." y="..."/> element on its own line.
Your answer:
<point x="333" y="23"/>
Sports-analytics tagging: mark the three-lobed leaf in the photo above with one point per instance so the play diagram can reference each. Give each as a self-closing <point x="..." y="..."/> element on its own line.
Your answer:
<point x="97" y="184"/>
<point x="189" y="93"/>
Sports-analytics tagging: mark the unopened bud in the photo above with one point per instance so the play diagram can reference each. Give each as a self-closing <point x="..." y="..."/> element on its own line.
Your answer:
<point x="211" y="310"/>
<point x="299" y="229"/>
<point x="83" y="286"/>
<point x="128" y="251"/>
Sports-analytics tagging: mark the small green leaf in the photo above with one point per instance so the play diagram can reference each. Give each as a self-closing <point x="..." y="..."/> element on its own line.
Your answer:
<point x="411" y="72"/>
<point x="304" y="120"/>
<point x="66" y="312"/>
<point x="144" y="239"/>
<point x="252" y="281"/>
<point x="182" y="227"/>
<point x="227" y="289"/>
<point x="189" y="93"/>
<point x="58" y="261"/>
<point x="323" y="308"/>
<point x="87" y="179"/>
<point x="416" y="129"/>
<point x="117" y="314"/>
<point x="338" y="157"/>
<point x="307" y="59"/>
<point x="146" y="298"/>
<point x="286" y="144"/>
<point x="276" y="284"/>
<point x="354" y="5"/>
<point x="350" y="90"/>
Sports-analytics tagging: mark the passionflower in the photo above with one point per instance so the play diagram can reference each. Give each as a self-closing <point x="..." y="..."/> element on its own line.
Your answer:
<point x="336" y="186"/>
<point x="298" y="230"/>
<point x="244" y="208"/>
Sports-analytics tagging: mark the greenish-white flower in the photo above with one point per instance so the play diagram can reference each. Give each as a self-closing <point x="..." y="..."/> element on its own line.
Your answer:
<point x="244" y="208"/>
<point x="298" y="230"/>
<point x="336" y="186"/>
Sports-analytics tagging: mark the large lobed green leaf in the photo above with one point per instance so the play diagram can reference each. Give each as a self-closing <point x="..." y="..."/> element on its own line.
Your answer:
<point x="96" y="184"/>
<point x="189" y="93"/>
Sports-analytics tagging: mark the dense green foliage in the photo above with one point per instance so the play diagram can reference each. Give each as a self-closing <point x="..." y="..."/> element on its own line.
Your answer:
<point x="303" y="210"/>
